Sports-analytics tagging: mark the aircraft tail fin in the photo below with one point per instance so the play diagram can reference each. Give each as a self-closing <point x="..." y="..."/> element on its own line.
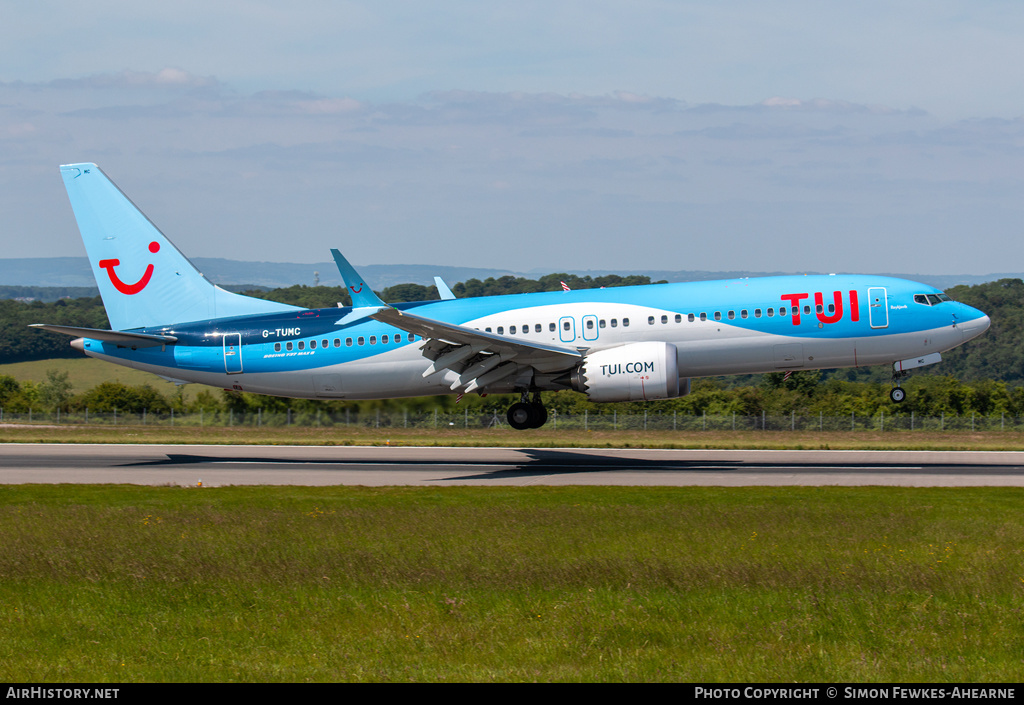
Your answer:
<point x="143" y="278"/>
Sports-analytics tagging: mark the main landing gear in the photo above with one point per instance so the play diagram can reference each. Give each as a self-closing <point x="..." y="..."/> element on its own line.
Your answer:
<point x="526" y="414"/>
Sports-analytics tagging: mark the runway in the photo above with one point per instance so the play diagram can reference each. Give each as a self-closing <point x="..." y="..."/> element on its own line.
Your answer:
<point x="213" y="466"/>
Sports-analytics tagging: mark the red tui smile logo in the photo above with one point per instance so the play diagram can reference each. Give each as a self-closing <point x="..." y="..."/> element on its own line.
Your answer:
<point x="129" y="289"/>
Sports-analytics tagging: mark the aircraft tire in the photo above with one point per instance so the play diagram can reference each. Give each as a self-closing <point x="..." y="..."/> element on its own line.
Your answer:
<point x="540" y="415"/>
<point x="897" y="394"/>
<point x="521" y="416"/>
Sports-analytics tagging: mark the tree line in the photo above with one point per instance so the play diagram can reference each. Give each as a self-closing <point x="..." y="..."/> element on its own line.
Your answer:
<point x="19" y="343"/>
<point x="984" y="376"/>
<point x="807" y="393"/>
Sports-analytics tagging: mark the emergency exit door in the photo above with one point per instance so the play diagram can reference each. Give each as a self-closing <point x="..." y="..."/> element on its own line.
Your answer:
<point x="878" y="307"/>
<point x="233" y="353"/>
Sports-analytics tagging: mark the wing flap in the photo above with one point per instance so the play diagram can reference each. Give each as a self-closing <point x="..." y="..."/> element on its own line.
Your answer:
<point x="478" y="358"/>
<point x="541" y="356"/>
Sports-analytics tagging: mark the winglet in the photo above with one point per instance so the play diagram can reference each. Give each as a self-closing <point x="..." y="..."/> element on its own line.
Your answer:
<point x="361" y="293"/>
<point x="443" y="290"/>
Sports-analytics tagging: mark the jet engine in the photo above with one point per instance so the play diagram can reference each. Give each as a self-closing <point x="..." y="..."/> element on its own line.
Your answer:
<point x="634" y="372"/>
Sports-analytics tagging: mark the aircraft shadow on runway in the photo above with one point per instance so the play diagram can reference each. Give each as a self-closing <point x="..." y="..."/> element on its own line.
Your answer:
<point x="551" y="462"/>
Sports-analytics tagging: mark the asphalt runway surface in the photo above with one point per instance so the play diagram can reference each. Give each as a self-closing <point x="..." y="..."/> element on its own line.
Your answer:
<point x="180" y="465"/>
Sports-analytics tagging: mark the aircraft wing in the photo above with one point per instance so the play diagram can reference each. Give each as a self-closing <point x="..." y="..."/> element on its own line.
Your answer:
<point x="478" y="358"/>
<point x="550" y="357"/>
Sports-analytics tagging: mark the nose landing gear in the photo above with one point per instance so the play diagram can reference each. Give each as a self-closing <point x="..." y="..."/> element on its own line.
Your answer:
<point x="897" y="394"/>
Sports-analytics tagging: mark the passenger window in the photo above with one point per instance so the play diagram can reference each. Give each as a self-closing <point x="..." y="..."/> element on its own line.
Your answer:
<point x="771" y="312"/>
<point x="757" y="313"/>
<point x="743" y="313"/>
<point x="664" y="320"/>
<point x="361" y="340"/>
<point x="288" y="345"/>
<point x="373" y="340"/>
<point x="312" y="345"/>
<point x="411" y="337"/>
<point x="590" y="324"/>
<point x="831" y="308"/>
<point x="703" y="316"/>
<point x="277" y="347"/>
<point x="679" y="318"/>
<point x="783" y="310"/>
<point x="302" y="345"/>
<point x="718" y="315"/>
<point x="732" y="315"/>
<point x="566" y="325"/>
<point x="807" y="310"/>
<point x="689" y="317"/>
<point x="324" y="343"/>
<point x="551" y="327"/>
<point x="501" y="330"/>
<point x="348" y="342"/>
<point x="512" y="330"/>
<point x="650" y="320"/>
<point x="625" y="322"/>
<point x="601" y="324"/>
<point x="537" y="328"/>
<point x="384" y="339"/>
<point x="615" y="323"/>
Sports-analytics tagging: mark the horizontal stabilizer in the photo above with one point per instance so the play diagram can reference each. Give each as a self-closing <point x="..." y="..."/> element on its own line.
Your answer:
<point x="138" y="340"/>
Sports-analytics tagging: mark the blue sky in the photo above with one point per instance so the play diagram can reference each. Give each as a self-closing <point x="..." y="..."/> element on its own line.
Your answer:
<point x="786" y="136"/>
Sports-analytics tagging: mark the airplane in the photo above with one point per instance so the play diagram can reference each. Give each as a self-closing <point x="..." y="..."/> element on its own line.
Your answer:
<point x="615" y="344"/>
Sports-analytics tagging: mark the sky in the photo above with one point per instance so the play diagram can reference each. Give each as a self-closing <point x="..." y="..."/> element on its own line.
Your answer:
<point x="610" y="136"/>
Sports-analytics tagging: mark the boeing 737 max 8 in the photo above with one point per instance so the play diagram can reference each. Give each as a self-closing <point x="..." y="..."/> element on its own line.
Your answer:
<point x="615" y="344"/>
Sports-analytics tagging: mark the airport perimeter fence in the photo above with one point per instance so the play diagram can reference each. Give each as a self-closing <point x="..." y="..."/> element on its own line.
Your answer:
<point x="614" y="421"/>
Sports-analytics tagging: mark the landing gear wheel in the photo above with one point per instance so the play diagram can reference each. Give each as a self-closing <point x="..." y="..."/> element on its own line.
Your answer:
<point x="520" y="416"/>
<point x="523" y="415"/>
<point x="897" y="394"/>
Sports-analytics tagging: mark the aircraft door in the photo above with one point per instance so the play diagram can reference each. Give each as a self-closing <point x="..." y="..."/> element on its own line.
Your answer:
<point x="567" y="329"/>
<point x="233" y="353"/>
<point x="878" y="307"/>
<point x="590" y="331"/>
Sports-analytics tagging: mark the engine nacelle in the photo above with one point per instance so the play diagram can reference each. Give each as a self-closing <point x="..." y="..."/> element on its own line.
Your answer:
<point x="635" y="372"/>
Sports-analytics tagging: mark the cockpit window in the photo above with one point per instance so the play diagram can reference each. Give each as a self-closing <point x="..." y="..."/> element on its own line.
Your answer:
<point x="931" y="299"/>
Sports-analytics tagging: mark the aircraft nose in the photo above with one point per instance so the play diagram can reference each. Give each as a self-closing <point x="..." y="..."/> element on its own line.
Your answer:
<point x="975" y="326"/>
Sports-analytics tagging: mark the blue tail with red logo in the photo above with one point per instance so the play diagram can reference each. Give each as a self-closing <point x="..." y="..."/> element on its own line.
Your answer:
<point x="145" y="281"/>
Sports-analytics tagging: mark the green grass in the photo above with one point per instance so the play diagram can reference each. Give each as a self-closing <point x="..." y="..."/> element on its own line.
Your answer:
<point x="505" y="437"/>
<point x="133" y="584"/>
<point x="86" y="372"/>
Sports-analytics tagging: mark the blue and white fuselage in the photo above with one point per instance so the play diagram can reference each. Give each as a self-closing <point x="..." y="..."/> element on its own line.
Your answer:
<point x="615" y="344"/>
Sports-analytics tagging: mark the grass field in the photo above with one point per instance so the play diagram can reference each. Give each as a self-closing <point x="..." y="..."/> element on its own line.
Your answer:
<point x="84" y="373"/>
<point x="134" y="584"/>
<point x="505" y="437"/>
<point x="258" y="584"/>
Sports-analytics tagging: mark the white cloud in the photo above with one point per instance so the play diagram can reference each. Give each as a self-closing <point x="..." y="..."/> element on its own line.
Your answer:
<point x="571" y="180"/>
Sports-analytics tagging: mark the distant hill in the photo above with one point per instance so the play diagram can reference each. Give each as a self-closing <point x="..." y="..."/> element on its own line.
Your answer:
<point x="74" y="272"/>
